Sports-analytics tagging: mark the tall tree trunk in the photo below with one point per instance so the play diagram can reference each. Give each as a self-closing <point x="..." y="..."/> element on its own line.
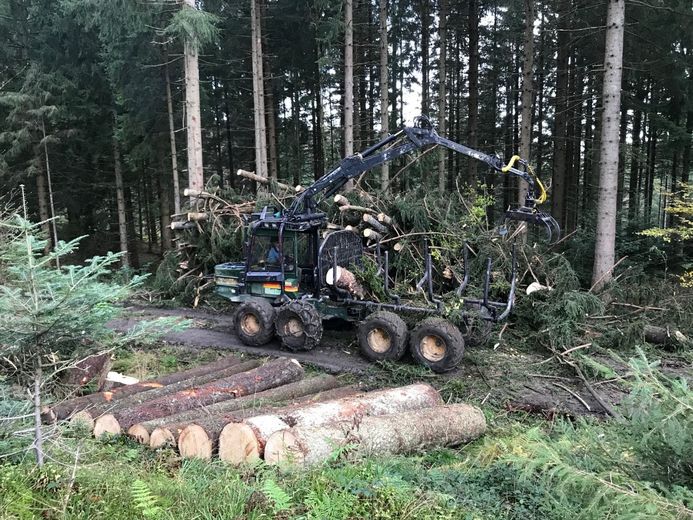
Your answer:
<point x="44" y="216"/>
<point x="540" y="98"/>
<point x="560" y="120"/>
<point x="623" y="131"/>
<point x="686" y="157"/>
<point x="172" y="139"/>
<point x="605" y="246"/>
<point x="651" y="166"/>
<point x="164" y="209"/>
<point x="120" y="200"/>
<point x="217" y="132"/>
<point x="229" y="140"/>
<point x="348" y="78"/>
<point x="384" y="92"/>
<point x="192" y="114"/>
<point x="473" y="107"/>
<point x="318" y="150"/>
<point x="424" y="6"/>
<point x="442" y="30"/>
<point x="269" y="102"/>
<point x="132" y="239"/>
<point x="527" y="93"/>
<point x="258" y="91"/>
<point x="633" y="195"/>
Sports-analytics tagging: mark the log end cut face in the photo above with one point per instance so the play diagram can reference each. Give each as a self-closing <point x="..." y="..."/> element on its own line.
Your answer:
<point x="194" y="443"/>
<point x="161" y="437"/>
<point x="83" y="419"/>
<point x="284" y="449"/>
<point x="139" y="433"/>
<point x="238" y="444"/>
<point x="105" y="425"/>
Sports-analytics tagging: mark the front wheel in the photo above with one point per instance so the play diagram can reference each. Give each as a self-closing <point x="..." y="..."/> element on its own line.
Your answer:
<point x="299" y="325"/>
<point x="254" y="322"/>
<point x="383" y="336"/>
<point x="437" y="344"/>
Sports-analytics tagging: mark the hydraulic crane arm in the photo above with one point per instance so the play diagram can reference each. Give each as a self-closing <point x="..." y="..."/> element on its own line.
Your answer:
<point x="410" y="139"/>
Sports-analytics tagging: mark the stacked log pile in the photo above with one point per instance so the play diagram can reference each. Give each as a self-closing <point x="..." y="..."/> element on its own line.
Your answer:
<point x="241" y="411"/>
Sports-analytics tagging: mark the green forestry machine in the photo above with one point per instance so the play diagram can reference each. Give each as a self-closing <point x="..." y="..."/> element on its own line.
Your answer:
<point x="292" y="278"/>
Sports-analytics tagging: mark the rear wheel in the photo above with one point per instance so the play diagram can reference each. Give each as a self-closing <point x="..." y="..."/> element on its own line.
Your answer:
<point x="254" y="322"/>
<point x="437" y="344"/>
<point x="383" y="336"/>
<point x="299" y="325"/>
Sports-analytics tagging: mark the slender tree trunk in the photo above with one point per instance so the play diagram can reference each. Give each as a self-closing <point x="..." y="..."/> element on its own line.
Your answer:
<point x="164" y="209"/>
<point x="318" y="150"/>
<point x="217" y="132"/>
<point x="473" y="107"/>
<point x="605" y="246"/>
<point x="229" y="140"/>
<point x="442" y="30"/>
<point x="633" y="195"/>
<point x="560" y="120"/>
<point x="425" y="50"/>
<point x="120" y="200"/>
<point x="270" y="107"/>
<point x="258" y="91"/>
<point x="540" y="98"/>
<point x="527" y="93"/>
<point x="384" y="92"/>
<point x="686" y="156"/>
<point x="132" y="239"/>
<point x="589" y="148"/>
<point x="349" y="83"/>
<point x="172" y="139"/>
<point x="38" y="431"/>
<point x="651" y="168"/>
<point x="192" y="114"/>
<point x="623" y="131"/>
<point x="44" y="216"/>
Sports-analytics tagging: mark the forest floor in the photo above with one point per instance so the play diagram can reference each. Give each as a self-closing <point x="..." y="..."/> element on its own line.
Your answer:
<point x="516" y="379"/>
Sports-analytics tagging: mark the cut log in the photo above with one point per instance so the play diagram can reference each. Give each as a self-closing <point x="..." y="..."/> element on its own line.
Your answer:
<point x="269" y="375"/>
<point x="140" y="398"/>
<point x="182" y="225"/>
<point x="373" y="222"/>
<point x="289" y="392"/>
<point x="377" y="436"/>
<point x="263" y="180"/>
<point x="388" y="221"/>
<point x="116" y="380"/>
<point x="360" y="209"/>
<point x="346" y="280"/>
<point x="341" y="200"/>
<point x="371" y="234"/>
<point x="245" y="442"/>
<point x="87" y="369"/>
<point x="197" y="445"/>
<point x="197" y="216"/>
<point x="663" y="336"/>
<point x="398" y="247"/>
<point x="64" y="410"/>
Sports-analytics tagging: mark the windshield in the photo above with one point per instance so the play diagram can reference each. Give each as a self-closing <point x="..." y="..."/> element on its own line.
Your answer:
<point x="265" y="253"/>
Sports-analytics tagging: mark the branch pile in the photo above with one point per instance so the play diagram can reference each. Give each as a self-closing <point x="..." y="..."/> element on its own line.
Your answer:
<point x="242" y="411"/>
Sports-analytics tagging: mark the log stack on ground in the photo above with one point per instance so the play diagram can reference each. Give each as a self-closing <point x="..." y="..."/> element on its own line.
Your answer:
<point x="377" y="436"/>
<point x="244" y="442"/>
<point x="51" y="414"/>
<point x="269" y="375"/>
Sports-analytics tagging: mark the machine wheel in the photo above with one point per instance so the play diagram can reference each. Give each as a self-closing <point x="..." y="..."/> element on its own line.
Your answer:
<point x="299" y="325"/>
<point x="383" y="336"/>
<point x="437" y="344"/>
<point x="254" y="322"/>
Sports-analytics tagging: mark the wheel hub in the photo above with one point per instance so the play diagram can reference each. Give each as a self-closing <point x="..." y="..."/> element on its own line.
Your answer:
<point x="250" y="325"/>
<point x="293" y="327"/>
<point x="433" y="348"/>
<point x="379" y="340"/>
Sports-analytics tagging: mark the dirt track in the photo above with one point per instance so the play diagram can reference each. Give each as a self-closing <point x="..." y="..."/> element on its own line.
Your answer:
<point x="503" y="376"/>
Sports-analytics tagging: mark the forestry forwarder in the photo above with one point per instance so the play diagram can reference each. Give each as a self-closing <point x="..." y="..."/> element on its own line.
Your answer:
<point x="292" y="278"/>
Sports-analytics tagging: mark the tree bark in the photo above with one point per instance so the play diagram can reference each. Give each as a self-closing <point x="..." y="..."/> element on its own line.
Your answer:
<point x="473" y="107"/>
<point x="164" y="210"/>
<point x="120" y="200"/>
<point x="172" y="139"/>
<point x="65" y="409"/>
<point x="604" y="250"/>
<point x="288" y="392"/>
<point x="274" y="373"/>
<point x="442" y="153"/>
<point x="44" y="216"/>
<point x="560" y="121"/>
<point x="192" y="113"/>
<point x="229" y="140"/>
<point x="258" y="91"/>
<point x="348" y="78"/>
<point x="384" y="92"/>
<point x="527" y="93"/>
<point x="201" y="438"/>
<point x="377" y="436"/>
<point x="633" y="195"/>
<point x="425" y="50"/>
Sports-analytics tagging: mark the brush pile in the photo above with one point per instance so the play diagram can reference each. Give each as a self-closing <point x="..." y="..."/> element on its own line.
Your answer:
<point x="240" y="411"/>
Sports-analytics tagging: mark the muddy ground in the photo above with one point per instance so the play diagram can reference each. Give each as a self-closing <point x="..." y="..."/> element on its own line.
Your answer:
<point x="500" y="375"/>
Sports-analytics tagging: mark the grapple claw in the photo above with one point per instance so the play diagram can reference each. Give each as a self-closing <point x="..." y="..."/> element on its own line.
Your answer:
<point x="536" y="218"/>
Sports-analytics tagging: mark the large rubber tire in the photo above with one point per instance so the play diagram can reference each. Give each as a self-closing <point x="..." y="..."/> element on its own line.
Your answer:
<point x="437" y="344"/>
<point x="383" y="336"/>
<point x="299" y="325"/>
<point x="254" y="322"/>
